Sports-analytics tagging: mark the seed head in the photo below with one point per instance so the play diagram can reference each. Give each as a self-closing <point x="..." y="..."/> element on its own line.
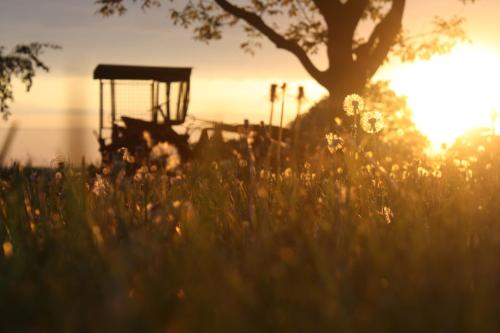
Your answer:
<point x="335" y="142"/>
<point x="372" y="122"/>
<point x="353" y="104"/>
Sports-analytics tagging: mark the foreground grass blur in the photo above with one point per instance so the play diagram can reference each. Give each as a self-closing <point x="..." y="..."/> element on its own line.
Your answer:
<point x="345" y="243"/>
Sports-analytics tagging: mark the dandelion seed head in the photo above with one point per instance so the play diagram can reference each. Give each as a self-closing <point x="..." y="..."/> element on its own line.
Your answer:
<point x="173" y="162"/>
<point x="251" y="138"/>
<point x="58" y="176"/>
<point x="387" y="214"/>
<point x="307" y="177"/>
<point x="287" y="173"/>
<point x="372" y="122"/>
<point x="162" y="149"/>
<point x="126" y="155"/>
<point x="353" y="104"/>
<point x="99" y="187"/>
<point x="167" y="154"/>
<point x="335" y="142"/>
<point x="138" y="176"/>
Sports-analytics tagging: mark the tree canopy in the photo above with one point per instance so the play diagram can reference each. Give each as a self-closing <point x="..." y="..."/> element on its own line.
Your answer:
<point x="307" y="27"/>
<point x="22" y="62"/>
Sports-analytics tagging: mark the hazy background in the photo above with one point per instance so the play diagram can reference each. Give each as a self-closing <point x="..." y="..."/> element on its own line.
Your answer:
<point x="227" y="84"/>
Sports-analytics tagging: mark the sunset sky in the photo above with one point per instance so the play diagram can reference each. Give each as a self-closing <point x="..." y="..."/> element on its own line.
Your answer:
<point x="227" y="84"/>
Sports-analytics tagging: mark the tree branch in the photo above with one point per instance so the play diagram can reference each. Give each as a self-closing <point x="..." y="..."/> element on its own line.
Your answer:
<point x="372" y="54"/>
<point x="279" y="41"/>
<point x="356" y="8"/>
<point x="327" y="8"/>
<point x="22" y="62"/>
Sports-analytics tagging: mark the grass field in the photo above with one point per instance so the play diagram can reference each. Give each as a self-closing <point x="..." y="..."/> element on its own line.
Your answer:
<point x="353" y="241"/>
<point x="373" y="246"/>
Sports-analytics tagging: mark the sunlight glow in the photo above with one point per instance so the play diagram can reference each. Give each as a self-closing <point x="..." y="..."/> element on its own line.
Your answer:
<point x="451" y="94"/>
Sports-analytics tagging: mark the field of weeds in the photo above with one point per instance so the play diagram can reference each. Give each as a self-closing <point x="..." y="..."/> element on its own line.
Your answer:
<point x="350" y="240"/>
<point x="332" y="203"/>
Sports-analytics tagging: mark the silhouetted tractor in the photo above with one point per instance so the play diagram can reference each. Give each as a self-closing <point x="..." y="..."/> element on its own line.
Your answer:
<point x="138" y="107"/>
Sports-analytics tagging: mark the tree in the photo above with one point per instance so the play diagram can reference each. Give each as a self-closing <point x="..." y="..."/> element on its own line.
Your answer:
<point x="21" y="62"/>
<point x="306" y="27"/>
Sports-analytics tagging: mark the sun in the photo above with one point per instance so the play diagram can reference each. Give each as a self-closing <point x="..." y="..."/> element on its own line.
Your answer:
<point x="451" y="94"/>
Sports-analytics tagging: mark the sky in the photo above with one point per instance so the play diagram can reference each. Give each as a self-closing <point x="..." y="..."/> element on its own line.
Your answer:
<point x="227" y="84"/>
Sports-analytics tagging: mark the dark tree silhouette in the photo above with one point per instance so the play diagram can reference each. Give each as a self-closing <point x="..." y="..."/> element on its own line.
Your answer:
<point x="22" y="63"/>
<point x="305" y="27"/>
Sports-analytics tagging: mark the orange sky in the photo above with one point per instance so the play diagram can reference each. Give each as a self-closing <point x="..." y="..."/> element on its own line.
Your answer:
<point x="227" y="84"/>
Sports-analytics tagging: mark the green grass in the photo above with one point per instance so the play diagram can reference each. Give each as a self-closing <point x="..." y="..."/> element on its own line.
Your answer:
<point x="374" y="247"/>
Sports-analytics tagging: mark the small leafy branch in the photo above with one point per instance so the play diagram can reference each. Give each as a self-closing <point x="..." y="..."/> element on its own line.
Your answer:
<point x="22" y="62"/>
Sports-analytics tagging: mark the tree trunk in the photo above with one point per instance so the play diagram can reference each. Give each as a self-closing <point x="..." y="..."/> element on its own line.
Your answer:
<point x="342" y="86"/>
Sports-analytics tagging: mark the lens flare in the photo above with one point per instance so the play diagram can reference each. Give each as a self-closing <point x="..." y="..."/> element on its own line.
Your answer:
<point x="451" y="94"/>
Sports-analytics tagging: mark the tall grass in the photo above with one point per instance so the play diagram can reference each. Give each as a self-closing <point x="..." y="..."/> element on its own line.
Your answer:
<point x="344" y="243"/>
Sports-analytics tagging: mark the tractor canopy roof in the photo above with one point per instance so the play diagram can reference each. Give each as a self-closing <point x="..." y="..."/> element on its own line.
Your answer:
<point x="160" y="74"/>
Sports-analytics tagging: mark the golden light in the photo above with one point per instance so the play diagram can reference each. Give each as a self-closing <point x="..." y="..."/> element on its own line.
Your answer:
<point x="453" y="93"/>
